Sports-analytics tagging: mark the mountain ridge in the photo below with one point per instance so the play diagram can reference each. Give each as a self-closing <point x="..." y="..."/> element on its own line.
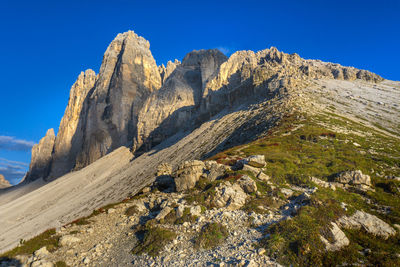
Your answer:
<point x="133" y="102"/>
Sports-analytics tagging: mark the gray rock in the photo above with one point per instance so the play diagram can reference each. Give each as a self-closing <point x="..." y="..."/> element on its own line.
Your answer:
<point x="214" y="169"/>
<point x="353" y="178"/>
<point x="195" y="210"/>
<point x="41" y="253"/>
<point x="164" y="212"/>
<point x="368" y="222"/>
<point x="323" y="183"/>
<point x="68" y="240"/>
<point x="287" y="192"/>
<point x="339" y="239"/>
<point x="187" y="174"/>
<point x="230" y="196"/>
<point x="247" y="184"/>
<point x="180" y="210"/>
<point x="257" y="160"/>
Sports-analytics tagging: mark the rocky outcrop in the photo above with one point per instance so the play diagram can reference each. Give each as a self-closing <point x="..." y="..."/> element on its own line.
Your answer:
<point x="354" y="178"/>
<point x="3" y="182"/>
<point x="214" y="170"/>
<point x="41" y="157"/>
<point x="247" y="184"/>
<point x="127" y="77"/>
<point x="70" y="138"/>
<point x="338" y="239"/>
<point x="368" y="222"/>
<point x="230" y="196"/>
<point x="187" y="174"/>
<point x="165" y="72"/>
<point x="173" y="107"/>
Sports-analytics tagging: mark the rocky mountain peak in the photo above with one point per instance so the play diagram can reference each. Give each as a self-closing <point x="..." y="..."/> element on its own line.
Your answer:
<point x="3" y="182"/>
<point x="68" y="138"/>
<point x="41" y="157"/>
<point x="133" y="102"/>
<point x="165" y="72"/>
<point x="127" y="77"/>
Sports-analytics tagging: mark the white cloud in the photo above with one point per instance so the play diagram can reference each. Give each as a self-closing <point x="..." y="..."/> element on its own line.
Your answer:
<point x="14" y="144"/>
<point x="225" y="50"/>
<point x="12" y="170"/>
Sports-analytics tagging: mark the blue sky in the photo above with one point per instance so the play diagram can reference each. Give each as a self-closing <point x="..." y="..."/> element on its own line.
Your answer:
<point x="45" y="45"/>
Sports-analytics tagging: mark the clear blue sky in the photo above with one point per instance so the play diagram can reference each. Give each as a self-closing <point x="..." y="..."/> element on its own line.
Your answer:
<point x="45" y="44"/>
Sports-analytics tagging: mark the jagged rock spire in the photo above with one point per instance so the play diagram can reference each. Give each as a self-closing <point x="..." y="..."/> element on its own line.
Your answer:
<point x="41" y="157"/>
<point x="69" y="137"/>
<point x="127" y="76"/>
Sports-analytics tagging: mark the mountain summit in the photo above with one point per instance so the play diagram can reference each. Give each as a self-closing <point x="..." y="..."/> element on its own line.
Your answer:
<point x="204" y="159"/>
<point x="133" y="102"/>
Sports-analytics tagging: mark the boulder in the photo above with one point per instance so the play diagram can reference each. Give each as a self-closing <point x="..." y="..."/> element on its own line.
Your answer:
<point x="164" y="212"/>
<point x="68" y="240"/>
<point x="195" y="210"/>
<point x="230" y="196"/>
<point x="257" y="161"/>
<point x="338" y="238"/>
<point x="262" y="176"/>
<point x="368" y="222"/>
<point x="214" y="169"/>
<point x="356" y="178"/>
<point x="287" y="192"/>
<point x="323" y="183"/>
<point x="41" y="253"/>
<point x="247" y="184"/>
<point x="180" y="211"/>
<point x="187" y="174"/>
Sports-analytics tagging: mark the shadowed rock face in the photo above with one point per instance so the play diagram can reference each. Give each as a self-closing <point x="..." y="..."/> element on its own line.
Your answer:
<point x="3" y="182"/>
<point x="173" y="107"/>
<point x="133" y="102"/>
<point x="41" y="157"/>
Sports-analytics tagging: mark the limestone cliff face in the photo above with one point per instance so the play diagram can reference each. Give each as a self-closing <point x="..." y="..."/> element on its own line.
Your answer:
<point x="173" y="105"/>
<point x="69" y="138"/>
<point x="268" y="72"/>
<point x="165" y="72"/>
<point x="127" y="76"/>
<point x="3" y="182"/>
<point x="41" y="157"/>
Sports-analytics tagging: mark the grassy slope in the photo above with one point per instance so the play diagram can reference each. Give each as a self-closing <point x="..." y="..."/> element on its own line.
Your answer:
<point x="321" y="146"/>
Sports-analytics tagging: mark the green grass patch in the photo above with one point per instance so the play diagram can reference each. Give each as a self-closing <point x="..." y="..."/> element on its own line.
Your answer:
<point x="48" y="239"/>
<point x="296" y="241"/>
<point x="154" y="241"/>
<point x="211" y="235"/>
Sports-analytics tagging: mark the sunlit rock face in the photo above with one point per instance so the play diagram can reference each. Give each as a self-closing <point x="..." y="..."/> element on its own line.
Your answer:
<point x="69" y="138"/>
<point x="127" y="77"/>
